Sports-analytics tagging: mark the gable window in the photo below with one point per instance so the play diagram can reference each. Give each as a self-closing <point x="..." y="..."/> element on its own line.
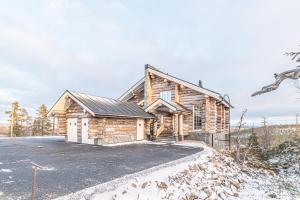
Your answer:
<point x="166" y="95"/>
<point x="197" y="121"/>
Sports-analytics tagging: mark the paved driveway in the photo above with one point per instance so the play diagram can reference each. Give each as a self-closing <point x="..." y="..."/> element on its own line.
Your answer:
<point x="72" y="167"/>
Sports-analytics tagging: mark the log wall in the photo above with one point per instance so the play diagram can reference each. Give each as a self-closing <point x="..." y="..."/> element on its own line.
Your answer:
<point x="61" y="123"/>
<point x="137" y="97"/>
<point x="215" y="116"/>
<point x="182" y="95"/>
<point x="115" y="130"/>
<point x="158" y="85"/>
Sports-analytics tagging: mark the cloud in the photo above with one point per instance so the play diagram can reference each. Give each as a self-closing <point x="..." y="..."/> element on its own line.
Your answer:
<point x="101" y="47"/>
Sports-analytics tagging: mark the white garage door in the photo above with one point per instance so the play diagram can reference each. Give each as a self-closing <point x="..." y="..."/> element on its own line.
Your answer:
<point x="85" y="130"/>
<point x="140" y="129"/>
<point x="72" y="130"/>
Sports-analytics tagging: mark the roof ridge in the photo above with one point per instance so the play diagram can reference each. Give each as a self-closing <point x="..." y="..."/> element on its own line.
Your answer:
<point x="91" y="95"/>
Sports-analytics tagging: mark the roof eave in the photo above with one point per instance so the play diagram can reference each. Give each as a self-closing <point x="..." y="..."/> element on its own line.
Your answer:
<point x="123" y="116"/>
<point x="125" y="94"/>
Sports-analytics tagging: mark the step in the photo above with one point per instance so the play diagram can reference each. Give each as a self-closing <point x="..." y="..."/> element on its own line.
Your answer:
<point x="166" y="139"/>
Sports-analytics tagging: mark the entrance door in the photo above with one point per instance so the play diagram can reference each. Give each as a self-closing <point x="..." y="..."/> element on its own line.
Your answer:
<point x="140" y="129"/>
<point x="85" y="130"/>
<point x="72" y="129"/>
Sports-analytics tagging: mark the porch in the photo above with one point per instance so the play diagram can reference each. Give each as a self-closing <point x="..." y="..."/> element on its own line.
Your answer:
<point x="168" y="121"/>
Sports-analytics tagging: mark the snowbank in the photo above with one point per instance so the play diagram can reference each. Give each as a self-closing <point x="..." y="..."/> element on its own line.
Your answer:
<point x="130" y="143"/>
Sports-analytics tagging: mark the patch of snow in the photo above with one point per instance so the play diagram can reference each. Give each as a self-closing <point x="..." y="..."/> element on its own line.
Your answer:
<point x="6" y="170"/>
<point x="8" y="182"/>
<point x="190" y="143"/>
<point x="1" y="163"/>
<point x="1" y="193"/>
<point x="48" y="169"/>
<point x="134" y="142"/>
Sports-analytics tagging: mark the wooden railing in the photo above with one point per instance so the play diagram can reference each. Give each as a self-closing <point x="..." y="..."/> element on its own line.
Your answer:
<point x="161" y="128"/>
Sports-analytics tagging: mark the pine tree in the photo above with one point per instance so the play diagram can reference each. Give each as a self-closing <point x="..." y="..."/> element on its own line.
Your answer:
<point x="42" y="124"/>
<point x="15" y="119"/>
<point x="253" y="139"/>
<point x="26" y="121"/>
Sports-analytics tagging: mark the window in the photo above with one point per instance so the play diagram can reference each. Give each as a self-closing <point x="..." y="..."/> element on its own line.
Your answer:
<point x="197" y="118"/>
<point x="166" y="95"/>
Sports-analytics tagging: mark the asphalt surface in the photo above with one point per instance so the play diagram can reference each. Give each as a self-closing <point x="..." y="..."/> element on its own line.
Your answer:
<point x="72" y="167"/>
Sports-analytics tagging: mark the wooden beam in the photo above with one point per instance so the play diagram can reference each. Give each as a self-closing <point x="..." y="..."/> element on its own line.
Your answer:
<point x="148" y="90"/>
<point x="176" y="128"/>
<point x="181" y="125"/>
<point x="177" y="93"/>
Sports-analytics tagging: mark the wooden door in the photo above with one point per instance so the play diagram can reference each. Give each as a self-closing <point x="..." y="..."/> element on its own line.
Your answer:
<point x="85" y="130"/>
<point x="140" y="129"/>
<point x="72" y="130"/>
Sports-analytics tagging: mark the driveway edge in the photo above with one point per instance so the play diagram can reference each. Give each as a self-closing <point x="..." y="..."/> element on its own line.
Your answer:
<point x="111" y="185"/>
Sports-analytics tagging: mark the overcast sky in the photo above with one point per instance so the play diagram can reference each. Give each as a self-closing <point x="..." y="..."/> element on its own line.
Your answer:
<point x="101" y="47"/>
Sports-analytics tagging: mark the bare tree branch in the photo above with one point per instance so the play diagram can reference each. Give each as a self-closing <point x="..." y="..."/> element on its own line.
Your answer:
<point x="238" y="138"/>
<point x="293" y="74"/>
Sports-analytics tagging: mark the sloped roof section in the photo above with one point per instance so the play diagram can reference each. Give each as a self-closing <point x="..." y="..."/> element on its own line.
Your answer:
<point x="137" y="86"/>
<point x="172" y="105"/>
<point x="129" y="93"/>
<point x="195" y="87"/>
<point x="102" y="106"/>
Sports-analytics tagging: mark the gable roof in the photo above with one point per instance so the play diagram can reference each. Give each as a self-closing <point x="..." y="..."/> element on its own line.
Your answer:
<point x="171" y="105"/>
<point x="102" y="106"/>
<point x="135" y="87"/>
<point x="159" y="73"/>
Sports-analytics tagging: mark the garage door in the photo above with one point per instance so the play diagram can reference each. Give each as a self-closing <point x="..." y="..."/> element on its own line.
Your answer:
<point x="72" y="130"/>
<point x="140" y="129"/>
<point x="85" y="130"/>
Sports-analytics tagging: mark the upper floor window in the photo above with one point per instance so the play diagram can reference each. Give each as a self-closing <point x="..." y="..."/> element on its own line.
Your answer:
<point x="166" y="95"/>
<point x="197" y="118"/>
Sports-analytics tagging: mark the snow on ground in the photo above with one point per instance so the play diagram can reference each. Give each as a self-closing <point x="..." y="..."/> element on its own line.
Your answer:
<point x="205" y="175"/>
<point x="6" y="170"/>
<point x="48" y="169"/>
<point x="130" y="143"/>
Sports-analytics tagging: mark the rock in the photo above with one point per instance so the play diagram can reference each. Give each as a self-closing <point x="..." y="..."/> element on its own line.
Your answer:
<point x="144" y="185"/>
<point x="162" y="185"/>
<point x="229" y="192"/>
<point x="222" y="195"/>
<point x="133" y="185"/>
<point x="236" y="184"/>
<point x="272" y="195"/>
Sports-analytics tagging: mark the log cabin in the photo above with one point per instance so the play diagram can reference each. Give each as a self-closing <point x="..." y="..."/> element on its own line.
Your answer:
<point x="158" y="107"/>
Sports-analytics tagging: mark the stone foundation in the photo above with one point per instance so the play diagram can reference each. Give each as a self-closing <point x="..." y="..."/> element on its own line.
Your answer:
<point x="216" y="140"/>
<point x="115" y="139"/>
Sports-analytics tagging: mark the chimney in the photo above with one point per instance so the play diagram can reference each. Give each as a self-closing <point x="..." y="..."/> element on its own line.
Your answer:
<point x="200" y="83"/>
